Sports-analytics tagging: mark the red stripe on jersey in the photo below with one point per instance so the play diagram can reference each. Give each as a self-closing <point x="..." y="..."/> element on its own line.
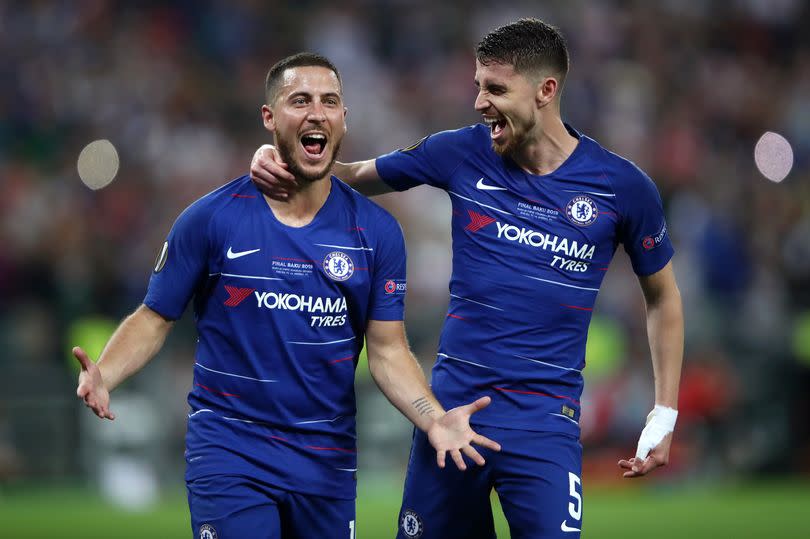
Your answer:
<point x="342" y="359"/>
<point x="456" y="316"/>
<point x="217" y="392"/>
<point x="536" y="393"/>
<point x="577" y="308"/>
<point x="235" y="195"/>
<point x="332" y="449"/>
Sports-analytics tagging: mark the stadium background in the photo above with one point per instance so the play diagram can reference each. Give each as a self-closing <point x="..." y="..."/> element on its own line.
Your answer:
<point x="684" y="89"/>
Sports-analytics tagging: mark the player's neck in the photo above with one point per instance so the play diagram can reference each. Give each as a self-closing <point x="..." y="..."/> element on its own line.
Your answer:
<point x="549" y="148"/>
<point x="302" y="204"/>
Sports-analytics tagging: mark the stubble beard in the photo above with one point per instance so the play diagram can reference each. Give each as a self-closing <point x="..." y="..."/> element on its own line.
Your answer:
<point x="518" y="140"/>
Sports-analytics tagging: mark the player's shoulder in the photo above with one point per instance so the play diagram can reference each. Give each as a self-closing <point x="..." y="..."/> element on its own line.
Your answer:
<point x="475" y="134"/>
<point x="365" y="210"/>
<point x="228" y="199"/>
<point x="235" y="192"/>
<point x="461" y="139"/>
<point x="623" y="173"/>
<point x="239" y="188"/>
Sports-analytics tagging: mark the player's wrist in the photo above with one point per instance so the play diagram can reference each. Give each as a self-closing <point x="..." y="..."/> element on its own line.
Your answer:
<point x="660" y="422"/>
<point x="666" y="415"/>
<point x="430" y="421"/>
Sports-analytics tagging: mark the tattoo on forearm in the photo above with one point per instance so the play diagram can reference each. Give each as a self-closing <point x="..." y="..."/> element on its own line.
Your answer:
<point x="423" y="406"/>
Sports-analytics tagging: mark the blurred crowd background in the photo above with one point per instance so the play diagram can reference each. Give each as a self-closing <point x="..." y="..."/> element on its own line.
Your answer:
<point x="684" y="89"/>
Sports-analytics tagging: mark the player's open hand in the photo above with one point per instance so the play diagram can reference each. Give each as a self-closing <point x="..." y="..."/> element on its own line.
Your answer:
<point x="452" y="434"/>
<point x="91" y="386"/>
<point x="657" y="457"/>
<point x="270" y="173"/>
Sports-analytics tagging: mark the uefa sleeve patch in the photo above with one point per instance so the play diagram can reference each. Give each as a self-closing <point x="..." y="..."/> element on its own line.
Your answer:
<point x="395" y="286"/>
<point x="651" y="242"/>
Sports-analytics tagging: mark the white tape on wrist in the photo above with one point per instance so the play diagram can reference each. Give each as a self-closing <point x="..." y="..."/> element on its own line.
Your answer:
<point x="660" y="422"/>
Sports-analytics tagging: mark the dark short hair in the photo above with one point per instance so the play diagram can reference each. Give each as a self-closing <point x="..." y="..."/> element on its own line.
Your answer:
<point x="528" y="45"/>
<point x="302" y="59"/>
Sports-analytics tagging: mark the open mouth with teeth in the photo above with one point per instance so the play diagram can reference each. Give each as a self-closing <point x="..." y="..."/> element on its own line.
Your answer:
<point x="496" y="126"/>
<point x="314" y="144"/>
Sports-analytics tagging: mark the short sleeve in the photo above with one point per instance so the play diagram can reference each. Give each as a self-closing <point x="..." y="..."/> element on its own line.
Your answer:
<point x="643" y="228"/>
<point x="430" y="161"/>
<point x="181" y="265"/>
<point x="388" y="281"/>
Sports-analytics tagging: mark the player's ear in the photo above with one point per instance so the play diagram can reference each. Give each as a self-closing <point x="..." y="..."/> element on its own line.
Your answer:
<point x="546" y="91"/>
<point x="268" y="118"/>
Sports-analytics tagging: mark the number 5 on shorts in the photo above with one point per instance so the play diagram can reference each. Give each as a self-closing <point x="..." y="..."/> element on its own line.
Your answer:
<point x="574" y="509"/>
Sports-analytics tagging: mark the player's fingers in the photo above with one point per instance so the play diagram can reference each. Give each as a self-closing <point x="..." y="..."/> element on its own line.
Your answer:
<point x="458" y="459"/>
<point x="277" y="172"/>
<point x="483" y="441"/>
<point x="272" y="188"/>
<point x="474" y="455"/>
<point x="652" y="462"/>
<point x="83" y="389"/>
<point x="82" y="357"/>
<point x="440" y="457"/>
<point x="269" y="152"/>
<point x="626" y="464"/>
<point x="479" y="404"/>
<point x="93" y="406"/>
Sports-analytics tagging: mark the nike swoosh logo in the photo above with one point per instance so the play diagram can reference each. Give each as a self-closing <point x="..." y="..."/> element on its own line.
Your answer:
<point x="484" y="187"/>
<point x="564" y="527"/>
<point x="231" y="255"/>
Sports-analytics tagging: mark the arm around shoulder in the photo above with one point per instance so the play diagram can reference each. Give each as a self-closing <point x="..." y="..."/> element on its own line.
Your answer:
<point x="362" y="176"/>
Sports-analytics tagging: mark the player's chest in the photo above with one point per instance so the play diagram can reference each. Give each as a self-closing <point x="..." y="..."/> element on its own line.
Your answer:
<point x="566" y="218"/>
<point x="307" y="260"/>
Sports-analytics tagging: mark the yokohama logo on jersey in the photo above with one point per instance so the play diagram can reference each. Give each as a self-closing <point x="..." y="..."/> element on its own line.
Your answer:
<point x="575" y="254"/>
<point x="548" y="242"/>
<point x="324" y="311"/>
<point x="294" y="302"/>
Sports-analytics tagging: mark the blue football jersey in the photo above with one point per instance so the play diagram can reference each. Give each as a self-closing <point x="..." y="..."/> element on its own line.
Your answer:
<point x="529" y="256"/>
<point x="281" y="314"/>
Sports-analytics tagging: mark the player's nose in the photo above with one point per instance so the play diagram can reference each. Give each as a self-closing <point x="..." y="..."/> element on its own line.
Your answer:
<point x="316" y="113"/>
<point x="481" y="102"/>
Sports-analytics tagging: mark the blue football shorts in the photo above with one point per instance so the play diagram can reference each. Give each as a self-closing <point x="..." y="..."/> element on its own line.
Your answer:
<point x="536" y="476"/>
<point x="237" y="507"/>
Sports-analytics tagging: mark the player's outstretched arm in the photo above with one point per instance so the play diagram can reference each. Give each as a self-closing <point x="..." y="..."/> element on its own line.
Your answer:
<point x="400" y="378"/>
<point x="272" y="175"/>
<point x="136" y="340"/>
<point x="665" y="333"/>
